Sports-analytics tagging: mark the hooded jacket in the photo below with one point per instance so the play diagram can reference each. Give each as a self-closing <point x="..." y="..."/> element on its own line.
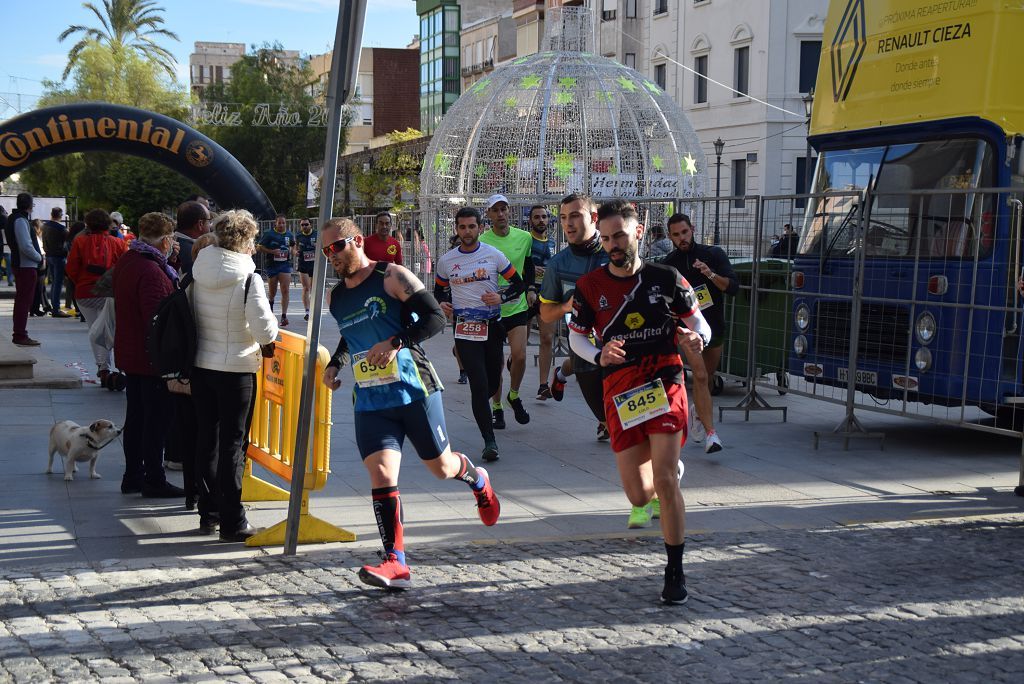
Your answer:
<point x="229" y="327"/>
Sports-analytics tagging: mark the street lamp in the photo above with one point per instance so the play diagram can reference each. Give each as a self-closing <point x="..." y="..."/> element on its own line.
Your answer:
<point x="719" y="146"/>
<point x="808" y="107"/>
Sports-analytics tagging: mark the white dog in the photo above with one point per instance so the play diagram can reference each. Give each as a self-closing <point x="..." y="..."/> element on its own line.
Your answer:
<point x="77" y="443"/>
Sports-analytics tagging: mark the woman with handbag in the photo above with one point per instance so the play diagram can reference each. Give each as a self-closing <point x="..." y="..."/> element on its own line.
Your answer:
<point x="93" y="253"/>
<point x="233" y="320"/>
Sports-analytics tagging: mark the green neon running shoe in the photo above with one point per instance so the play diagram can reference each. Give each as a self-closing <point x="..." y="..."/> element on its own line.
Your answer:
<point x="639" y="517"/>
<point x="655" y="507"/>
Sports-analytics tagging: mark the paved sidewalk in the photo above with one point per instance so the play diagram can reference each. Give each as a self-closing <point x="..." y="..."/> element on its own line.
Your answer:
<point x="899" y="602"/>
<point x="802" y="562"/>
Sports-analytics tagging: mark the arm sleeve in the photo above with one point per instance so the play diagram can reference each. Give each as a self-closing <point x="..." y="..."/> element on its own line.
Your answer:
<point x="583" y="347"/>
<point x="339" y="357"/>
<point x="516" y="285"/>
<point x="429" y="319"/>
<point x="529" y="273"/>
<point x="723" y="267"/>
<point x="699" y="325"/>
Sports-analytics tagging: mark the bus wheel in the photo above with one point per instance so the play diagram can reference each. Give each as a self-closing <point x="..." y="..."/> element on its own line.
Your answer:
<point x="717" y="385"/>
<point x="783" y="381"/>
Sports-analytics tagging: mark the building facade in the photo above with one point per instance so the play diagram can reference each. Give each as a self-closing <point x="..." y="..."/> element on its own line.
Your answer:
<point x="211" y="63"/>
<point x="485" y="45"/>
<point x="385" y="96"/>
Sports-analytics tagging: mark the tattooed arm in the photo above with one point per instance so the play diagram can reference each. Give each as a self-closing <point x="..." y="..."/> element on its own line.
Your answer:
<point x="429" y="319"/>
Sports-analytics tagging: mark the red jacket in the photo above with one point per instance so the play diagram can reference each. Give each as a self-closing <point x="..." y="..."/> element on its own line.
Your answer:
<point x="91" y="254"/>
<point x="140" y="284"/>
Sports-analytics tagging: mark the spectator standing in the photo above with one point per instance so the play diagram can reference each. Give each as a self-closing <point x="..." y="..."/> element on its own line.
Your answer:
<point x="660" y="245"/>
<point x="232" y="322"/>
<point x="26" y="258"/>
<point x="93" y="252"/>
<point x="39" y="304"/>
<point x="55" y="243"/>
<point x="381" y="246"/>
<point x="193" y="222"/>
<point x="142" y="279"/>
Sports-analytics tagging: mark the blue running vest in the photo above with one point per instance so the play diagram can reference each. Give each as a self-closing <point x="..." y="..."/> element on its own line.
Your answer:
<point x="366" y="314"/>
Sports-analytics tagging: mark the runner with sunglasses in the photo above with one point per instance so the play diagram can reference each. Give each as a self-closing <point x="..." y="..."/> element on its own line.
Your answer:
<point x="397" y="393"/>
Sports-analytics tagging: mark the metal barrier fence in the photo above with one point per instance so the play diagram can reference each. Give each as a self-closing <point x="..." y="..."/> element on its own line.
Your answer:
<point x="913" y="295"/>
<point x="271" y="441"/>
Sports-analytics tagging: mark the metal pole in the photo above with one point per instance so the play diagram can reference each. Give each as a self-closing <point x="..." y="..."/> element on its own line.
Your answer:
<point x="718" y="192"/>
<point x="348" y="38"/>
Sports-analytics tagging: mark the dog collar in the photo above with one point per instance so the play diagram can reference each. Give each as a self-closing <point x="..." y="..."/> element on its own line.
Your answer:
<point x="97" y="447"/>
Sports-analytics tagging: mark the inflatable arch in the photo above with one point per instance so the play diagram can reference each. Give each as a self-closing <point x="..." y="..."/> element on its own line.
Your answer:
<point x="103" y="127"/>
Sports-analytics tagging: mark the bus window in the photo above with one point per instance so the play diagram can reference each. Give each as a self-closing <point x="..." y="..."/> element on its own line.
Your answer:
<point x="945" y="221"/>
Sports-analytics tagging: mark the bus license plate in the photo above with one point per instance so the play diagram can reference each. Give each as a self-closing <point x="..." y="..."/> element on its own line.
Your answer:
<point x="869" y="378"/>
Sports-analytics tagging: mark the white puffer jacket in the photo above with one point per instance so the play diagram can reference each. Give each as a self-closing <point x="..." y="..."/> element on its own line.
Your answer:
<point x="230" y="329"/>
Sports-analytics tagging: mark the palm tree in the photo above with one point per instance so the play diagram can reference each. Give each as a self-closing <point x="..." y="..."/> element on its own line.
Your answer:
<point x="128" y="26"/>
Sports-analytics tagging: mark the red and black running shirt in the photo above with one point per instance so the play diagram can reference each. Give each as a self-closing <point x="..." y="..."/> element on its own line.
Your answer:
<point x="644" y="310"/>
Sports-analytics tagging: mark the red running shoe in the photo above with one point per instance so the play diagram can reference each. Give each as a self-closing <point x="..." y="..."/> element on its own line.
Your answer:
<point x="487" y="503"/>
<point x="388" y="575"/>
<point x="557" y="388"/>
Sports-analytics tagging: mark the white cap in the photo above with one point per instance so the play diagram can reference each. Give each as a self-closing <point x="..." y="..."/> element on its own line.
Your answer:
<point x="494" y="199"/>
<point x="116" y="215"/>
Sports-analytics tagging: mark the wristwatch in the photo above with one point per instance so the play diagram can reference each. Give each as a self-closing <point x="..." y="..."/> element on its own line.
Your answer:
<point x="396" y="342"/>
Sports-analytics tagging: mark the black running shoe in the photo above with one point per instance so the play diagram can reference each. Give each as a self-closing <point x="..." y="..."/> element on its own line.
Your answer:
<point x="522" y="417"/>
<point x="602" y="433"/>
<point x="543" y="392"/>
<point x="463" y="378"/>
<point x="498" y="419"/>
<point x="675" y="586"/>
<point x="490" y="452"/>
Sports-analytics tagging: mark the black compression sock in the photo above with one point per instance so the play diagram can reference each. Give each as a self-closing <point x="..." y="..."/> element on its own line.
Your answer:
<point x="675" y="554"/>
<point x="468" y="474"/>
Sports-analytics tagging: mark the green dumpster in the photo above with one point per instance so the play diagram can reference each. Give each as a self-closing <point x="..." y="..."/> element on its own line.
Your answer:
<point x="774" y="318"/>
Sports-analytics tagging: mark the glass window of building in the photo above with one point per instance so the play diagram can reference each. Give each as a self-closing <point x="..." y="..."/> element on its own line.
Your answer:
<point x="700" y="79"/>
<point x="741" y="71"/>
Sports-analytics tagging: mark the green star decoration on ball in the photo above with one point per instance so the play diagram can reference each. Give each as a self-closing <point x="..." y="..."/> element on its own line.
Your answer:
<point x="658" y="162"/>
<point x="511" y="102"/>
<point x="563" y="98"/>
<point x="442" y="163"/>
<point x="688" y="164"/>
<point x="626" y="84"/>
<point x="480" y="86"/>
<point x="567" y="83"/>
<point x="564" y="164"/>
<point x="532" y="81"/>
<point x="511" y="161"/>
<point x="653" y="87"/>
<point x="603" y="95"/>
<point x="479" y="170"/>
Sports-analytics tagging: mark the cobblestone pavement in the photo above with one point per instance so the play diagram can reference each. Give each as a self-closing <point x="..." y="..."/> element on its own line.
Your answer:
<point x="894" y="602"/>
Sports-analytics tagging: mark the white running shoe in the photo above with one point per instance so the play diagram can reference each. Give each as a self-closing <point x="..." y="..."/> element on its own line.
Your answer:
<point x="714" y="444"/>
<point x="696" y="432"/>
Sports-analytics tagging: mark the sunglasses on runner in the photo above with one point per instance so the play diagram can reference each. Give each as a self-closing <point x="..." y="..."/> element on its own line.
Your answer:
<point x="337" y="246"/>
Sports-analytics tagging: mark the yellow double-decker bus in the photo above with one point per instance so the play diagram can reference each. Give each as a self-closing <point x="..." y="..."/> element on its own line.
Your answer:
<point x="918" y="118"/>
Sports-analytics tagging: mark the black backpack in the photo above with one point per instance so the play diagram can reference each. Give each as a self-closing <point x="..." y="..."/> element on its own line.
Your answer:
<point x="171" y="342"/>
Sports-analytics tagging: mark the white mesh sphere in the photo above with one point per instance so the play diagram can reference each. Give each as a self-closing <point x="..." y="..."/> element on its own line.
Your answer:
<point x="563" y="120"/>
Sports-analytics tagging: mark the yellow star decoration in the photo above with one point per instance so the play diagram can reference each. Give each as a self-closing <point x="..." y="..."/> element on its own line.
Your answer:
<point x="658" y="162"/>
<point x="689" y="164"/>
<point x="626" y="84"/>
<point x="528" y="82"/>
<point x="564" y="164"/>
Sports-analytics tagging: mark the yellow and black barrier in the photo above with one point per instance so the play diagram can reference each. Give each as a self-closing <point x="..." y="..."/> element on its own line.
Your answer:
<point x="272" y="441"/>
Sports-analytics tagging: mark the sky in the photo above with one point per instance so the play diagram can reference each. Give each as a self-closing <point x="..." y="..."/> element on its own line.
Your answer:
<point x="30" y="51"/>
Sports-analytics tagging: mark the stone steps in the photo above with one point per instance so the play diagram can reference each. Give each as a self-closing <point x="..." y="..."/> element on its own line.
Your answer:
<point x="26" y="367"/>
